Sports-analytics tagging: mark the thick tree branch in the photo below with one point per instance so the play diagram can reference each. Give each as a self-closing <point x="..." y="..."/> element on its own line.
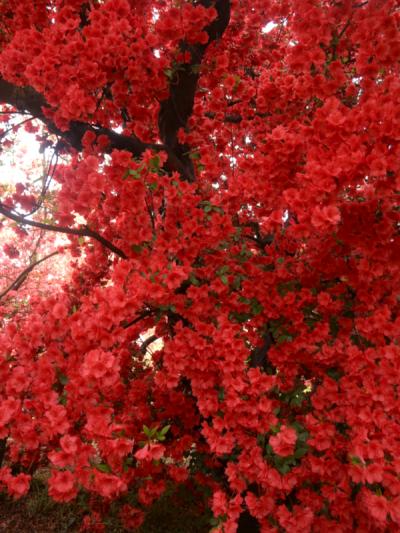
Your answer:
<point x="84" y="232"/>
<point x="16" y="284"/>
<point x="259" y="356"/>
<point x="178" y="107"/>
<point x="174" y="113"/>
<point x="3" y="448"/>
<point x="27" y="100"/>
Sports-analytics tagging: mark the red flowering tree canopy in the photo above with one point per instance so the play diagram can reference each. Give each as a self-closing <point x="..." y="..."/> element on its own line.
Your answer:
<point x="226" y="175"/>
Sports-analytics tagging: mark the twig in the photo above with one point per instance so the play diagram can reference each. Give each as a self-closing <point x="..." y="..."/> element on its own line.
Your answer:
<point x="140" y="317"/>
<point x="46" y="183"/>
<point x="146" y="343"/>
<point x="16" y="284"/>
<point x="85" y="232"/>
<point x="14" y="127"/>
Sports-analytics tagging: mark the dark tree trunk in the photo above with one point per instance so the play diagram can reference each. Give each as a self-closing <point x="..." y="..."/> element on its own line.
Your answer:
<point x="248" y="524"/>
<point x="3" y="443"/>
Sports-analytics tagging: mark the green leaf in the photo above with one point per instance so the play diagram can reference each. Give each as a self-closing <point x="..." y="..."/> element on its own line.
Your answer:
<point x="284" y="338"/>
<point x="154" y="163"/>
<point x="63" y="398"/>
<point x="237" y="282"/>
<point x="164" y="430"/>
<point x="62" y="378"/>
<point x="137" y="248"/>
<point x="103" y="467"/>
<point x="127" y="464"/>
<point x="214" y="522"/>
<point x="223" y="270"/>
<point x="239" y="317"/>
<point x="147" y="431"/>
<point x="166" y="308"/>
<point x="297" y="400"/>
<point x="208" y="207"/>
<point x="302" y="437"/>
<point x="135" y="173"/>
<point x="256" y="307"/>
<point x="283" y="468"/>
<point x="300" y="451"/>
<point x="333" y="326"/>
<point x="193" y="280"/>
<point x="334" y="373"/>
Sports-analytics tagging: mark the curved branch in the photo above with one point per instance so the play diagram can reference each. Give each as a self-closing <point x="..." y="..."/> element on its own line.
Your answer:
<point x="146" y="343"/>
<point x="16" y="284"/>
<point x="84" y="232"/>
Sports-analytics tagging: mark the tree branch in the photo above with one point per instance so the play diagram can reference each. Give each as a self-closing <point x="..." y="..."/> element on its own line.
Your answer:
<point x="16" y="284"/>
<point x="230" y="118"/>
<point x="3" y="448"/>
<point x="174" y="112"/>
<point x="178" y="107"/>
<point x="259" y="356"/>
<point x="141" y="316"/>
<point x="84" y="232"/>
<point x="26" y="99"/>
<point x="146" y="343"/>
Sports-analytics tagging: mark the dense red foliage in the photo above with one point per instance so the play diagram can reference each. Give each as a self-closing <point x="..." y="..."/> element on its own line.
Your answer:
<point x="239" y="186"/>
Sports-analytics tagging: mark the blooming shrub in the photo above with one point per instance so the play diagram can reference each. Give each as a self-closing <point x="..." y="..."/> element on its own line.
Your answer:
<point x="228" y="180"/>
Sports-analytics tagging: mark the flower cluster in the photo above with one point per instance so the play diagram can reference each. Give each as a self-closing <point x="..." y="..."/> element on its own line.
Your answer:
<point x="243" y="331"/>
